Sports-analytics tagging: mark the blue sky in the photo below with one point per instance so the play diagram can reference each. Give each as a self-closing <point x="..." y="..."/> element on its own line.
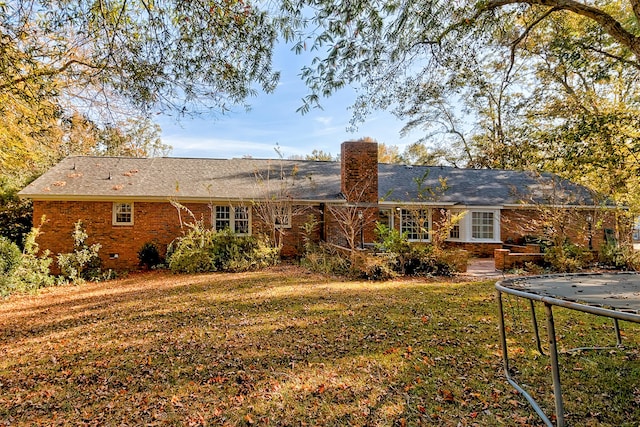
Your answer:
<point x="273" y="120"/>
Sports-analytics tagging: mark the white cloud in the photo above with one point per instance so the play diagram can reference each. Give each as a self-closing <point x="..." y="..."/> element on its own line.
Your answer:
<point x="324" y="120"/>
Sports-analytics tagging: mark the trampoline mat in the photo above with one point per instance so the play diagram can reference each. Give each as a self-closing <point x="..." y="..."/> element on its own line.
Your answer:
<point x="615" y="291"/>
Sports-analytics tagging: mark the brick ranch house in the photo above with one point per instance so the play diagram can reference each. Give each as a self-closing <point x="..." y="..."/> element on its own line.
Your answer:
<point x="124" y="203"/>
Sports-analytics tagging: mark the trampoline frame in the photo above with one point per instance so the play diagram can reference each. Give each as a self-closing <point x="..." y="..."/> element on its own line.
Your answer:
<point x="503" y="287"/>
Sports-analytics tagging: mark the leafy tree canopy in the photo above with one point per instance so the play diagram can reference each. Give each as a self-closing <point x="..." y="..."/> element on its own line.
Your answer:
<point x="162" y="54"/>
<point x="383" y="44"/>
<point x="539" y="84"/>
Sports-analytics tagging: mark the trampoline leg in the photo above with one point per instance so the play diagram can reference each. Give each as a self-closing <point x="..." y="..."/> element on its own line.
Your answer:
<point x="618" y="336"/>
<point x="534" y="320"/>
<point x="505" y="360"/>
<point x="503" y="337"/>
<point x="555" y="369"/>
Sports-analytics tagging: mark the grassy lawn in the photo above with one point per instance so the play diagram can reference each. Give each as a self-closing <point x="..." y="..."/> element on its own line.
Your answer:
<point x="284" y="347"/>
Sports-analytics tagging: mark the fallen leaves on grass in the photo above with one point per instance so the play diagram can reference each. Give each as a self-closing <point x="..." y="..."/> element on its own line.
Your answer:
<point x="278" y="347"/>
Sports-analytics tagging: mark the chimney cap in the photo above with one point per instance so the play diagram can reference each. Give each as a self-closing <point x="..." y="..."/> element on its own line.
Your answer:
<point x="364" y="139"/>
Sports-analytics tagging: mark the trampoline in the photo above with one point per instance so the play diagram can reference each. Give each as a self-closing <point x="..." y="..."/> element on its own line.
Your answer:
<point x="616" y="296"/>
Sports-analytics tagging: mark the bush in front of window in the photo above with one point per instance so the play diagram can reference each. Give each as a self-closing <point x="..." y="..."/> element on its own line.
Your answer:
<point x="417" y="259"/>
<point x="390" y="240"/>
<point x="394" y="256"/>
<point x="206" y="250"/>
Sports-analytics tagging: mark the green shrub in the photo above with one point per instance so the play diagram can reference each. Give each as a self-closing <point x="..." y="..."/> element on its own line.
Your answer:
<point x="10" y="256"/>
<point x="31" y="272"/>
<point x="418" y="259"/>
<point x="149" y="256"/>
<point x="421" y="260"/>
<point x="83" y="263"/>
<point x="206" y="250"/>
<point x="10" y="259"/>
<point x="396" y="256"/>
<point x="390" y="240"/>
<point x="372" y="267"/>
<point x="567" y="258"/>
<point x="326" y="259"/>
<point x="15" y="213"/>
<point x="622" y="257"/>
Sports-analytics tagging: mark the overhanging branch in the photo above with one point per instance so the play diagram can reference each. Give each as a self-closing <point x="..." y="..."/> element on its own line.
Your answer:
<point x="47" y="72"/>
<point x="608" y="23"/>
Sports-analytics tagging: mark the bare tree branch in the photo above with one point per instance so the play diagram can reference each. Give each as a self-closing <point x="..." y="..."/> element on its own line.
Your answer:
<point x="524" y="34"/>
<point x="46" y="72"/>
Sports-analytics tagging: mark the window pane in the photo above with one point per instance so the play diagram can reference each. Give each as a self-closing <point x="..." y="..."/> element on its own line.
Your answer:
<point x="415" y="223"/>
<point x="482" y="225"/>
<point x="282" y="216"/>
<point x="385" y="217"/>
<point x="241" y="224"/>
<point x="123" y="213"/>
<point x="223" y="217"/>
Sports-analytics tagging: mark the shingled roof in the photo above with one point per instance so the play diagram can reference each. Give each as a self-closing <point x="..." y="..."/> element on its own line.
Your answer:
<point x="186" y="179"/>
<point x="477" y="187"/>
<point x="112" y="178"/>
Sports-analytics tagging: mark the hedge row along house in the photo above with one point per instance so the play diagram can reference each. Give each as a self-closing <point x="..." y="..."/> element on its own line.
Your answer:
<point x="124" y="203"/>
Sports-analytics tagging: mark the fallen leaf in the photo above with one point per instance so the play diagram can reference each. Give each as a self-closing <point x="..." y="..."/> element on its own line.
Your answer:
<point x="447" y="395"/>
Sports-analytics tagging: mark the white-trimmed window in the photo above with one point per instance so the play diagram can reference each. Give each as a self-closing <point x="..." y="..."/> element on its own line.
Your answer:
<point x="122" y="213"/>
<point x="477" y="225"/>
<point x="416" y="223"/>
<point x="482" y="225"/>
<point x="282" y="216"/>
<point x="222" y="217"/>
<point x="241" y="220"/>
<point x="235" y="218"/>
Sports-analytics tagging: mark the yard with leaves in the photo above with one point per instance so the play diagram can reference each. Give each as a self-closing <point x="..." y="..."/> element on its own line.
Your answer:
<point x="284" y="347"/>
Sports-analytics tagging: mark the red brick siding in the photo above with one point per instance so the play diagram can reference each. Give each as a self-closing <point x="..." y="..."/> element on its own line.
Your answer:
<point x="292" y="237"/>
<point x="351" y="223"/>
<point x="156" y="222"/>
<point x="518" y="223"/>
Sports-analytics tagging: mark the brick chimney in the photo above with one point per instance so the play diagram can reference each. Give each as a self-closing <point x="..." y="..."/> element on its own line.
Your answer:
<point x="359" y="171"/>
